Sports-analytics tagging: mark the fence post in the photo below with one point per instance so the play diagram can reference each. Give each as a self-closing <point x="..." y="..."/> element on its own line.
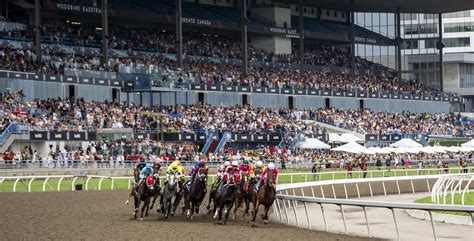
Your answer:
<point x="87" y="183"/>
<point x="324" y="217"/>
<point x="286" y="212"/>
<point x="100" y="183"/>
<point x="396" y="224"/>
<point x="129" y="184"/>
<point x="29" y="184"/>
<point x="307" y="214"/>
<point x="367" y="222"/>
<point x="398" y="187"/>
<point x="59" y="183"/>
<point x="296" y="216"/>
<point x="357" y="187"/>
<point x="44" y="184"/>
<point x="15" y="183"/>
<point x="343" y="219"/>
<point x="73" y="182"/>
<point x="384" y="189"/>
<point x="433" y="225"/>
<point x="333" y="191"/>
<point x="345" y="190"/>
<point x="112" y="183"/>
<point x="370" y="189"/>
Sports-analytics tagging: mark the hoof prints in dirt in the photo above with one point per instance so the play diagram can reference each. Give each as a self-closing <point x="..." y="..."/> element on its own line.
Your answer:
<point x="97" y="215"/>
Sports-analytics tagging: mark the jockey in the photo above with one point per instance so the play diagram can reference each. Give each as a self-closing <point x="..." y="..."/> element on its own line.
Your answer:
<point x="245" y="171"/>
<point x="220" y="172"/>
<point x="175" y="169"/>
<point x="257" y="167"/>
<point x="232" y="170"/>
<point x="271" y="166"/>
<point x="146" y="171"/>
<point x="197" y="165"/>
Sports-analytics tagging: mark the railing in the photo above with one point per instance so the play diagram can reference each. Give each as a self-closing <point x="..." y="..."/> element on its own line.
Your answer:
<point x="225" y="138"/>
<point x="305" y="193"/>
<point x="210" y="138"/>
<point x="450" y="185"/>
<point x="14" y="128"/>
<point x="283" y="201"/>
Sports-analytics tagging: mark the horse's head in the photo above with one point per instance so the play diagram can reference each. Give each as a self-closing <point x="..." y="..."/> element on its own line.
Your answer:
<point x="201" y="174"/>
<point x="150" y="182"/>
<point x="172" y="181"/>
<point x="270" y="177"/>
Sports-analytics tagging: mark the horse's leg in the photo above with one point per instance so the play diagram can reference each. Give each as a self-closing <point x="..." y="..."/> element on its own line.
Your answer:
<point x="144" y="206"/>
<point x="187" y="204"/>
<point x="247" y="205"/>
<point x="154" y="200"/>
<point x="265" y="216"/>
<point x="238" y="202"/>
<point x="255" y="209"/>
<point x="228" y="210"/>
<point x="211" y="197"/>
<point x="147" y="206"/>
<point x="172" y="206"/>
<point x="137" y="205"/>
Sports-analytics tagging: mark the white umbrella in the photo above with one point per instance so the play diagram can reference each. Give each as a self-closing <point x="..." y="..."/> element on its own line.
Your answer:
<point x="351" y="147"/>
<point x="468" y="144"/>
<point x="348" y="137"/>
<point x="334" y="137"/>
<point x="385" y="150"/>
<point x="406" y="142"/>
<point x="313" y="143"/>
<point x="428" y="150"/>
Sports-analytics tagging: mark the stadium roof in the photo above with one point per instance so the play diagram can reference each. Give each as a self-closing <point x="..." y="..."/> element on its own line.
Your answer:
<point x="405" y="6"/>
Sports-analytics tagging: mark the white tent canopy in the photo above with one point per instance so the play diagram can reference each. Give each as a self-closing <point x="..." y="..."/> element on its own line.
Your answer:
<point x="334" y="137"/>
<point x="406" y="142"/>
<point x="351" y="147"/>
<point x="348" y="137"/>
<point x="312" y="143"/>
<point x="468" y="144"/>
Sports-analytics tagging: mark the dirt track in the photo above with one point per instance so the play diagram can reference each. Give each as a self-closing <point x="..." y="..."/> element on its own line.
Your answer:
<point x="102" y="215"/>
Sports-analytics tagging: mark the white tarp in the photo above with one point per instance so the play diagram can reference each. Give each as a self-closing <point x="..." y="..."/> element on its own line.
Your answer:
<point x="406" y="142"/>
<point x="348" y="137"/>
<point x="334" y="137"/>
<point x="468" y="144"/>
<point x="313" y="143"/>
<point x="351" y="147"/>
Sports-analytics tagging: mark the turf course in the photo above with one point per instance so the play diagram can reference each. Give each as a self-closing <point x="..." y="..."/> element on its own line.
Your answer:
<point x="468" y="200"/>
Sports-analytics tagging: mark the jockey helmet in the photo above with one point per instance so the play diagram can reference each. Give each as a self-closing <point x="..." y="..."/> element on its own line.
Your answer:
<point x="245" y="162"/>
<point x="148" y="165"/>
<point x="259" y="164"/>
<point x="174" y="165"/>
<point x="227" y="163"/>
<point x="235" y="163"/>
<point x="271" y="166"/>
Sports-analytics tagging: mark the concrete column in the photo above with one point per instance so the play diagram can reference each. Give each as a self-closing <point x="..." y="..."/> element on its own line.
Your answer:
<point x="353" y="61"/>
<point x="105" y="33"/>
<point x="301" y="30"/>
<point x="179" y="34"/>
<point x="37" y="29"/>
<point x="440" y="47"/>
<point x="398" y="40"/>
<point x="243" y="33"/>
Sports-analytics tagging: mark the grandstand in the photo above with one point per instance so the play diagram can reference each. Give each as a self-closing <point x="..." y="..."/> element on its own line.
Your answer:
<point x="272" y="72"/>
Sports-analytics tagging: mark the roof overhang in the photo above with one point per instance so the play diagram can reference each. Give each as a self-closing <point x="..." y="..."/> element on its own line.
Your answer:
<point x="391" y="6"/>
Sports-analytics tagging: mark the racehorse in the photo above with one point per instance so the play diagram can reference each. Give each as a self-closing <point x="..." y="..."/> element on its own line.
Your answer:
<point x="265" y="196"/>
<point x="136" y="178"/>
<point x="157" y="179"/>
<point x="144" y="193"/>
<point x="193" y="197"/>
<point x="225" y="199"/>
<point x="243" y="194"/>
<point x="168" y="197"/>
<point x="212" y="195"/>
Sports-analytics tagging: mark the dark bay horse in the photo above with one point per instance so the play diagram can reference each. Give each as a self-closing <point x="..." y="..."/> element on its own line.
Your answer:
<point x="243" y="194"/>
<point x="136" y="179"/>
<point x="265" y="197"/>
<point x="225" y="199"/>
<point x="212" y="195"/>
<point x="194" y="197"/>
<point x="168" y="197"/>
<point x="144" y="193"/>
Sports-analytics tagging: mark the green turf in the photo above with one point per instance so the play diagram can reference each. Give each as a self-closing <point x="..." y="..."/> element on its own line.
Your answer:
<point x="468" y="200"/>
<point x="300" y="175"/>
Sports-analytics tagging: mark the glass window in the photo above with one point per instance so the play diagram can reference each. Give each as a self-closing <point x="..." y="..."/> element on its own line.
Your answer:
<point x="457" y="42"/>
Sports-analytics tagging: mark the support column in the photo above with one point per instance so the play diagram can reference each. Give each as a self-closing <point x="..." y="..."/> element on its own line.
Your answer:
<point x="37" y="29"/>
<point x="398" y="41"/>
<point x="353" y="62"/>
<point x="179" y="34"/>
<point x="243" y="30"/>
<point x="440" y="47"/>
<point x="6" y="9"/>
<point x="301" y="29"/>
<point x="105" y="33"/>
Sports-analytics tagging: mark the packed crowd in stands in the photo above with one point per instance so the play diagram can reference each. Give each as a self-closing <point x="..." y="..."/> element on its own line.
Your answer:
<point x="144" y="50"/>
<point x="79" y="115"/>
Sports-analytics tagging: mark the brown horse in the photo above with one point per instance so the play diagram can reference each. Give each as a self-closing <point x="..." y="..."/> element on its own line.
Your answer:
<point x="244" y="193"/>
<point x="144" y="194"/>
<point x="265" y="196"/>
<point x="136" y="179"/>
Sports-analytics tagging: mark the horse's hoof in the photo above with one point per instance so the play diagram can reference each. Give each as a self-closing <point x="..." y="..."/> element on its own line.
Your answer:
<point x="254" y="225"/>
<point x="191" y="217"/>
<point x="141" y="219"/>
<point x="126" y="202"/>
<point x="265" y="222"/>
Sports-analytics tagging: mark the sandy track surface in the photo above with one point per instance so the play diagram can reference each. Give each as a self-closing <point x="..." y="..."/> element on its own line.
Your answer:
<point x="102" y="215"/>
